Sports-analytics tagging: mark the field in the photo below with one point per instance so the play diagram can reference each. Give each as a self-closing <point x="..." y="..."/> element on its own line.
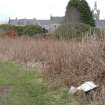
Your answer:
<point x="61" y="63"/>
<point x="20" y="86"/>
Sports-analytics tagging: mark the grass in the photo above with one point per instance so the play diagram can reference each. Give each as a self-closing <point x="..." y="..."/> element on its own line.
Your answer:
<point x="26" y="87"/>
<point x="62" y="63"/>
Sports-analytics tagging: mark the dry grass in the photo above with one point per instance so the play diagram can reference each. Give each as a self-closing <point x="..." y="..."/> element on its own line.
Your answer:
<point x="62" y="62"/>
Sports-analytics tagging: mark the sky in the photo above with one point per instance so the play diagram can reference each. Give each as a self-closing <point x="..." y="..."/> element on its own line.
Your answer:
<point x="39" y="9"/>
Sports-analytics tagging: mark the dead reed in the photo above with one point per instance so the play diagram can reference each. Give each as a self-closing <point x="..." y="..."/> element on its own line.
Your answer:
<point x="62" y="62"/>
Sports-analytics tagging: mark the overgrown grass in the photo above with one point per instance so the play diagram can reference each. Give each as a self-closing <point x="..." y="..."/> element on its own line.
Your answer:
<point x="26" y="87"/>
<point x="62" y="63"/>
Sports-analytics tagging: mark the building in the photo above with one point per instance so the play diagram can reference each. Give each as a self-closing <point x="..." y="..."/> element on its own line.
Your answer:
<point x="96" y="13"/>
<point x="51" y="25"/>
<point x="54" y="22"/>
<point x="21" y="22"/>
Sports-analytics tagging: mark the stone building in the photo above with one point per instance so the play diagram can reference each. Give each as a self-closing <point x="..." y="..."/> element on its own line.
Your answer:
<point x="96" y="12"/>
<point x="51" y="25"/>
<point x="23" y="22"/>
<point x="54" y="22"/>
<point x="100" y="23"/>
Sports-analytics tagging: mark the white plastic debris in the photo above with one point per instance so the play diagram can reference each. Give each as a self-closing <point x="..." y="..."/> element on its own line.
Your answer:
<point x="86" y="87"/>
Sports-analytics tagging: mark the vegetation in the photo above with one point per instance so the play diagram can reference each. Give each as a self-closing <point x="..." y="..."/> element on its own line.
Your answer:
<point x="78" y="21"/>
<point x="29" y="30"/>
<point x="61" y="63"/>
<point x="86" y="13"/>
<point x="50" y="66"/>
<point x="84" y="10"/>
<point x="76" y="31"/>
<point x="26" y="87"/>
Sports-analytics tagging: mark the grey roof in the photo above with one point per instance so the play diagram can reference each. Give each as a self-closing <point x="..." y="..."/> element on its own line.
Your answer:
<point x="56" y="20"/>
<point x="43" y="22"/>
<point x="46" y="23"/>
<point x="23" y="21"/>
<point x="53" y="20"/>
<point x="100" y="23"/>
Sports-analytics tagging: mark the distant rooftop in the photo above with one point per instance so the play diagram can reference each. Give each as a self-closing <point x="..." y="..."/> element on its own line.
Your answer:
<point x="23" y="21"/>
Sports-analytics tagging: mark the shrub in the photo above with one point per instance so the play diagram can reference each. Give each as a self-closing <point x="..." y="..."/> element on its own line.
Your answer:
<point x="72" y="31"/>
<point x="6" y="27"/>
<point x="29" y="30"/>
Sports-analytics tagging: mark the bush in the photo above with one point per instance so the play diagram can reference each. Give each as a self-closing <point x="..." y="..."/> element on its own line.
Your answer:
<point x="6" y="27"/>
<point x="29" y="30"/>
<point x="69" y="31"/>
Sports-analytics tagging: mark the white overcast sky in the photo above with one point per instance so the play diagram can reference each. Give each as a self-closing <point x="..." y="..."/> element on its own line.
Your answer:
<point x="39" y="9"/>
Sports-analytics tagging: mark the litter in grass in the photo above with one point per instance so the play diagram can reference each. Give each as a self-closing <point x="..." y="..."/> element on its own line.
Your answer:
<point x="85" y="87"/>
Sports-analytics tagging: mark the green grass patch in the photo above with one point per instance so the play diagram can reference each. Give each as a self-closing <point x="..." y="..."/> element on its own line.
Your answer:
<point x="21" y="86"/>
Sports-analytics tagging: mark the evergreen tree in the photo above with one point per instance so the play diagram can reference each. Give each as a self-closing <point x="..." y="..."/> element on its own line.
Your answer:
<point x="73" y="3"/>
<point x="78" y="20"/>
<point x="86" y="13"/>
<point x="84" y="10"/>
<point x="72" y="6"/>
